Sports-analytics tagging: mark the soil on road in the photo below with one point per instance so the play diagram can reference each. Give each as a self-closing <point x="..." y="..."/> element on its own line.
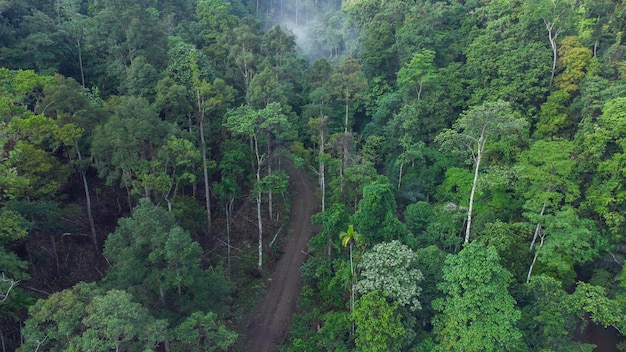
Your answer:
<point x="271" y="318"/>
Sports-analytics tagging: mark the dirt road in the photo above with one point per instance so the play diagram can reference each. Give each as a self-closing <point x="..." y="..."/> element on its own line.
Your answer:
<point x="271" y="318"/>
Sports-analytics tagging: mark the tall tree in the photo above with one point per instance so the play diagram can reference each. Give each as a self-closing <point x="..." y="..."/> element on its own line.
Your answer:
<point x="259" y="127"/>
<point x="131" y="137"/>
<point x="477" y="312"/>
<point x="209" y="98"/>
<point x="378" y="324"/>
<point x="555" y="15"/>
<point x="376" y="217"/>
<point x="472" y="132"/>
<point x="350" y="81"/>
<point x="84" y="318"/>
<point x="350" y="238"/>
<point x="418" y="72"/>
<point x="152" y="256"/>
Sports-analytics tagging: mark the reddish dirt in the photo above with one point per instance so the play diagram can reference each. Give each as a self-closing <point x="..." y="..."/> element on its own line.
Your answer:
<point x="270" y="321"/>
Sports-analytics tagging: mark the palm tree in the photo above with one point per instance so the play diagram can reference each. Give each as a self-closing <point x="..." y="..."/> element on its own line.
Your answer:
<point x="349" y="238"/>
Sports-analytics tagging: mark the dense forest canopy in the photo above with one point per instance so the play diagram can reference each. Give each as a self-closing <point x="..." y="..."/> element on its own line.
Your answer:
<point x="470" y="160"/>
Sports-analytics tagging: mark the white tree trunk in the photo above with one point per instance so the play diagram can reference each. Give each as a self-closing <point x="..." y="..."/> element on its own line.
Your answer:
<point x="205" y="168"/>
<point x="322" y="167"/>
<point x="479" y="154"/>
<point x="552" y="36"/>
<point x="83" y="176"/>
<point x="258" y="204"/>
<point x="270" y="206"/>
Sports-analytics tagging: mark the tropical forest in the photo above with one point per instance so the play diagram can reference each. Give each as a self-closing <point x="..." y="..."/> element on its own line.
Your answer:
<point x="312" y="175"/>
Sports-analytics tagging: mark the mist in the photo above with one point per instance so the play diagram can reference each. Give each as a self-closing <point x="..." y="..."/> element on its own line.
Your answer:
<point x="319" y="28"/>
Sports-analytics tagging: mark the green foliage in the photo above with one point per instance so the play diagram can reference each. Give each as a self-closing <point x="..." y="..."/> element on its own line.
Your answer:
<point x="418" y="216"/>
<point x="477" y="312"/>
<point x="132" y="81"/>
<point x="56" y="321"/>
<point x="576" y="62"/>
<point x="85" y="318"/>
<point x="156" y="260"/>
<point x="376" y="218"/>
<point x="202" y="332"/>
<point x="546" y="171"/>
<point x="607" y="189"/>
<point x="114" y="322"/>
<point x="378" y="326"/>
<point x="569" y="242"/>
<point x="550" y="317"/>
<point x="333" y="220"/>
<point x="430" y="260"/>
<point x="455" y="186"/>
<point x="478" y="126"/>
<point x="335" y="331"/>
<point x="418" y="72"/>
<point x="129" y="139"/>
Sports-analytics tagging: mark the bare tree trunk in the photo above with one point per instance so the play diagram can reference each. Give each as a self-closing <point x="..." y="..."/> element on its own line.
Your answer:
<point x="344" y="158"/>
<point x="229" y="209"/>
<point x="479" y="154"/>
<point x="83" y="175"/>
<point x="258" y="205"/>
<point x="56" y="255"/>
<point x="400" y="176"/>
<point x="322" y="170"/>
<point x="269" y="172"/>
<point x="537" y="228"/>
<point x="532" y="265"/>
<point x="352" y="288"/>
<point x="552" y="36"/>
<point x="419" y="90"/>
<point x="205" y="170"/>
<point x="80" y="63"/>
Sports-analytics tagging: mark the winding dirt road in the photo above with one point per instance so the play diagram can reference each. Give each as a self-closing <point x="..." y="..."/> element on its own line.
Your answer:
<point x="271" y="318"/>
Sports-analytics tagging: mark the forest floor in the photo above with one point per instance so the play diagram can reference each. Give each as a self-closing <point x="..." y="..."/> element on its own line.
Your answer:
<point x="270" y="320"/>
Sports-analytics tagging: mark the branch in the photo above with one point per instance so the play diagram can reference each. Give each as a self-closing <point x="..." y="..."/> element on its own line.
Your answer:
<point x="12" y="283"/>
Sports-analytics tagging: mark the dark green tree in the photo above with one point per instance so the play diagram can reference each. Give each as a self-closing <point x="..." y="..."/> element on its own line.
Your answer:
<point x="477" y="312"/>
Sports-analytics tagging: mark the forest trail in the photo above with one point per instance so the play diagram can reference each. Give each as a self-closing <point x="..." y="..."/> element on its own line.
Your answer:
<point x="272" y="315"/>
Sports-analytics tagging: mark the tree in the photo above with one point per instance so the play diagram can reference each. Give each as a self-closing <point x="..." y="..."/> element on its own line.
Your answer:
<point x="477" y="312"/>
<point x="152" y="256"/>
<point x="552" y="316"/>
<point x="202" y="333"/>
<point x="378" y="324"/>
<point x="259" y="126"/>
<point x="333" y="221"/>
<point x="350" y="82"/>
<point x="554" y="14"/>
<point x="430" y="260"/>
<point x="471" y="134"/>
<point x="390" y="268"/>
<point x="566" y="241"/>
<point x="114" y="322"/>
<point x="84" y="318"/>
<point x="319" y="125"/>
<point x="376" y="217"/>
<point x="69" y="103"/>
<point x="348" y="238"/>
<point x="129" y="139"/>
<point x="56" y="321"/>
<point x="606" y="144"/>
<point x="209" y="97"/>
<point x="549" y="319"/>
<point x="416" y="73"/>
<point x="170" y="169"/>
